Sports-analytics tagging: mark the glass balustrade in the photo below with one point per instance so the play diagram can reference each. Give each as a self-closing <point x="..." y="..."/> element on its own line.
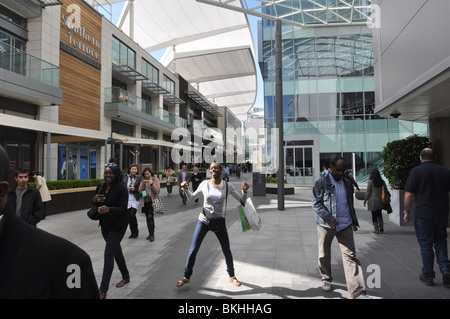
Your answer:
<point x="118" y="95"/>
<point x="22" y="63"/>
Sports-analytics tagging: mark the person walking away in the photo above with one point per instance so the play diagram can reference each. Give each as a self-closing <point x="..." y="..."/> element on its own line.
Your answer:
<point x="34" y="263"/>
<point x="428" y="185"/>
<point x="214" y="193"/>
<point x="41" y="186"/>
<point x="149" y="188"/>
<point x="332" y="200"/>
<point x="183" y="176"/>
<point x="132" y="181"/>
<point x="26" y="200"/>
<point x="226" y="173"/>
<point x="170" y="180"/>
<point x="111" y="198"/>
<point x="374" y="200"/>
<point x="196" y="180"/>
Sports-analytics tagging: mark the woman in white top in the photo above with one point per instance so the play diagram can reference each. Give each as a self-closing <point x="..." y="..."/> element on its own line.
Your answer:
<point x="214" y="192"/>
<point x="132" y="182"/>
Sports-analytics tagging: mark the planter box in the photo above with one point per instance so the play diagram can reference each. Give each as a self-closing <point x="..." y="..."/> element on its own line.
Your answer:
<point x="272" y="188"/>
<point x="66" y="200"/>
<point x="398" y="207"/>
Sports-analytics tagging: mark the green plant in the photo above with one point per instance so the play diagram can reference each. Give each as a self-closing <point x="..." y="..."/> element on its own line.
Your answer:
<point x="77" y="183"/>
<point x="400" y="157"/>
<point x="273" y="180"/>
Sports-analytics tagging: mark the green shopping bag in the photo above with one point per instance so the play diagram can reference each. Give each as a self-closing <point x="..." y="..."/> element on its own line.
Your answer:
<point x="244" y="221"/>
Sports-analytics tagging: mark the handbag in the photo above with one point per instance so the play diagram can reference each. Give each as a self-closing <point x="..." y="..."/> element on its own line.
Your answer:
<point x="93" y="213"/>
<point x="360" y="195"/>
<point x="158" y="206"/>
<point x="385" y="195"/>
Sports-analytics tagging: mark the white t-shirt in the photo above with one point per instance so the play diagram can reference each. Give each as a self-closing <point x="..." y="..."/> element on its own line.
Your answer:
<point x="214" y="198"/>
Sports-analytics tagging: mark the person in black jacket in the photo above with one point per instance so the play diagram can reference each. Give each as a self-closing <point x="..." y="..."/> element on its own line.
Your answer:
<point x="26" y="200"/>
<point x="35" y="264"/>
<point x="196" y="179"/>
<point x="111" y="197"/>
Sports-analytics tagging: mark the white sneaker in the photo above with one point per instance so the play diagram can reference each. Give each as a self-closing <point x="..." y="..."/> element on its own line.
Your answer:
<point x="326" y="286"/>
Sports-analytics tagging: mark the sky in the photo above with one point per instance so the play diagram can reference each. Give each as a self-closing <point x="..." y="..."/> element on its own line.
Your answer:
<point x="117" y="9"/>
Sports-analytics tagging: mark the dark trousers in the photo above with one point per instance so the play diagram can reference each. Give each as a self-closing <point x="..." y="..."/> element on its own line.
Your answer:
<point x="113" y="251"/>
<point x="183" y="195"/>
<point x="199" y="234"/>
<point x="133" y="221"/>
<point x="169" y="188"/>
<point x="377" y="220"/>
<point x="147" y="209"/>
<point x="432" y="237"/>
<point x="194" y="188"/>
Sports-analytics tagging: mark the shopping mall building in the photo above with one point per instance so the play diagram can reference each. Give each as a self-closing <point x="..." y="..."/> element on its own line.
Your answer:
<point x="76" y="91"/>
<point x="329" y="102"/>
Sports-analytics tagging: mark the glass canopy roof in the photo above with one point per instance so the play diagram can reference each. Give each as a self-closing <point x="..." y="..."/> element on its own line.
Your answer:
<point x="302" y="13"/>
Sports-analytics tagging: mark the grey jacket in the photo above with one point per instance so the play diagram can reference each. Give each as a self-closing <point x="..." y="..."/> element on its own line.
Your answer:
<point x="324" y="201"/>
<point x="374" y="196"/>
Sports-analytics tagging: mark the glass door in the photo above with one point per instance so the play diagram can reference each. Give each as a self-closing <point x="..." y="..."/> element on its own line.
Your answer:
<point x="299" y="165"/>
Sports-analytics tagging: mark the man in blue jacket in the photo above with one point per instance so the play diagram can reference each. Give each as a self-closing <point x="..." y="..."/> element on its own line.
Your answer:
<point x="332" y="200"/>
<point x="26" y="200"/>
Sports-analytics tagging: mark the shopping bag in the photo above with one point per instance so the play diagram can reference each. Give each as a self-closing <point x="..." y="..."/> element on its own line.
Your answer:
<point x="158" y="206"/>
<point x="252" y="215"/>
<point x="244" y="221"/>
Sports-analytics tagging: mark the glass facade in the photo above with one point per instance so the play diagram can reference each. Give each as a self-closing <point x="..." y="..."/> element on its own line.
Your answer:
<point x="328" y="96"/>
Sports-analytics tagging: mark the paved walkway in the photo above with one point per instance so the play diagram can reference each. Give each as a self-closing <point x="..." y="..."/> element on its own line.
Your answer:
<point x="278" y="262"/>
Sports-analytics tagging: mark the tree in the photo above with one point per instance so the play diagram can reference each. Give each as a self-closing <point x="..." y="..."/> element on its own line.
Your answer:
<point x="400" y="157"/>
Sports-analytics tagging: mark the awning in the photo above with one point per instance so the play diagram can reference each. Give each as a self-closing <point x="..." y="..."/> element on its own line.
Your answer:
<point x="53" y="128"/>
<point x="128" y="73"/>
<point x="203" y="102"/>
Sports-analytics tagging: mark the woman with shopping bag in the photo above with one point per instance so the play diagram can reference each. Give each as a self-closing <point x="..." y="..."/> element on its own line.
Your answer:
<point x="212" y="218"/>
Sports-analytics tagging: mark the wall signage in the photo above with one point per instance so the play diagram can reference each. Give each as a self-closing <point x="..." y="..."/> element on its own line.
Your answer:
<point x="80" y="42"/>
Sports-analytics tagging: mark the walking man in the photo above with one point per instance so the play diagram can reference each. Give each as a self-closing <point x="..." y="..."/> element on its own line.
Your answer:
<point x="428" y="184"/>
<point x="332" y="200"/>
<point x="183" y="176"/>
<point x="26" y="200"/>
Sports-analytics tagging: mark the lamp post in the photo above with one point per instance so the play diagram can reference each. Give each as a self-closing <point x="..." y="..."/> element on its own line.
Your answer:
<point x="279" y="112"/>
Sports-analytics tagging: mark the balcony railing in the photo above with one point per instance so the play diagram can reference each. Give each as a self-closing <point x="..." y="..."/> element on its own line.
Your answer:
<point x="22" y="63"/>
<point x="118" y="95"/>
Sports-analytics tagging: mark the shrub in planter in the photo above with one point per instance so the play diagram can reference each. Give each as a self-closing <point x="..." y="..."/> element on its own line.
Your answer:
<point x="76" y="183"/>
<point x="400" y="157"/>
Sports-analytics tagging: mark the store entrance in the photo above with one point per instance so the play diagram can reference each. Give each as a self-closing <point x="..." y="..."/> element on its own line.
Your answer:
<point x="299" y="165"/>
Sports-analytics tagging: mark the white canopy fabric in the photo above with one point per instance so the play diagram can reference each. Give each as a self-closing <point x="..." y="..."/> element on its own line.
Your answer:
<point x="211" y="47"/>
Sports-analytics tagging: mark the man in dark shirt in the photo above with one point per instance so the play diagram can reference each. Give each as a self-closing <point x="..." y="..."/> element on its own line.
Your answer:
<point x="429" y="185"/>
<point x="35" y="264"/>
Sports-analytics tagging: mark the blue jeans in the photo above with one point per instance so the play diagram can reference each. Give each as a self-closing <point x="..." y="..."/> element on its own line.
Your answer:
<point x="432" y="232"/>
<point x="199" y="234"/>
